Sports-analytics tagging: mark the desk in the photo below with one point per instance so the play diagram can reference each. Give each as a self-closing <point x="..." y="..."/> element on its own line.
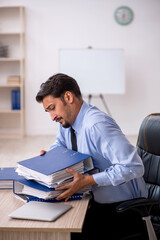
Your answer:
<point x="71" y="221"/>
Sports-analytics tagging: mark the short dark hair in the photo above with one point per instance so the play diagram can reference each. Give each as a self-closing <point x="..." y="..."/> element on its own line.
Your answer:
<point x="57" y="85"/>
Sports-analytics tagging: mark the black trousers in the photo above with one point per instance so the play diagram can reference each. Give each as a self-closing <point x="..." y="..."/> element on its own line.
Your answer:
<point x="102" y="221"/>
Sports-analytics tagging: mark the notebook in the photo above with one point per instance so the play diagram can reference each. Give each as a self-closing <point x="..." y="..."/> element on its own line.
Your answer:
<point x="42" y="211"/>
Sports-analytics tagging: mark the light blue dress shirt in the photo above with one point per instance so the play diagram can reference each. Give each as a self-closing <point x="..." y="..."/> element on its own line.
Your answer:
<point x="121" y="169"/>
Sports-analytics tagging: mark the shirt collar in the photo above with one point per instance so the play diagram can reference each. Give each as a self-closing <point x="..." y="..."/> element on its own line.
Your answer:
<point x="78" y="122"/>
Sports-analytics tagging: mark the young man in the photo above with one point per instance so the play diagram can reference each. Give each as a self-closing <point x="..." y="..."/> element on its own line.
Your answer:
<point x="97" y="134"/>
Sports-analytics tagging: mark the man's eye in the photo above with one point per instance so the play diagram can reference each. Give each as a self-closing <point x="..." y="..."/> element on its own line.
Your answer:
<point x="52" y="108"/>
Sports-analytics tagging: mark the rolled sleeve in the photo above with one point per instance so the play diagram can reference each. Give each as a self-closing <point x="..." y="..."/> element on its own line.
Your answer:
<point x="101" y="179"/>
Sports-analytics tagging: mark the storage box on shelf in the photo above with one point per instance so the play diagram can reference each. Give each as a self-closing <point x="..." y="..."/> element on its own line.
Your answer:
<point x="11" y="71"/>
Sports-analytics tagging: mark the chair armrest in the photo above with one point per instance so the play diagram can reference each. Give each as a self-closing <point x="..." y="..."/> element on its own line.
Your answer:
<point x="141" y="205"/>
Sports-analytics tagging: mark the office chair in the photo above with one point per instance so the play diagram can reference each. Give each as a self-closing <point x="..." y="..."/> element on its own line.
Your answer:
<point x="148" y="147"/>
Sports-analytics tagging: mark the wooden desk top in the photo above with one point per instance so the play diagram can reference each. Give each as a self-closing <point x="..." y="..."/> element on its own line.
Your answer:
<point x="71" y="221"/>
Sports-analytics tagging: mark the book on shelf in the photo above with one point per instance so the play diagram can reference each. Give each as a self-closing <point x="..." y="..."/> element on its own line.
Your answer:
<point x="15" y="99"/>
<point x="7" y="175"/>
<point x="50" y="168"/>
<point x="3" y="51"/>
<point x="13" y="80"/>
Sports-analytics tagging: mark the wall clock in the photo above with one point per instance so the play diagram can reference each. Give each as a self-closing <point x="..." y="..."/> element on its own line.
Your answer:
<point x="123" y="15"/>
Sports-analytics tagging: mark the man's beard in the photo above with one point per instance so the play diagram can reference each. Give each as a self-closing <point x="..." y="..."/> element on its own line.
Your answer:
<point x="66" y="125"/>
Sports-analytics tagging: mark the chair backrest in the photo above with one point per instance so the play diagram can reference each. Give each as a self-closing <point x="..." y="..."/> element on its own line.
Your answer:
<point x="148" y="146"/>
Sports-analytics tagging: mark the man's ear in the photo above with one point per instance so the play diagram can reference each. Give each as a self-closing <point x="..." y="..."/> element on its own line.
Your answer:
<point x="68" y="97"/>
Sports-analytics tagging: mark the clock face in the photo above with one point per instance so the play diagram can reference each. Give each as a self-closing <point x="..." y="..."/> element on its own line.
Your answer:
<point x="123" y="15"/>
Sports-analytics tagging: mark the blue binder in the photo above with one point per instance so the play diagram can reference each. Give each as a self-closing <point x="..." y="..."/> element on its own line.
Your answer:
<point x="56" y="160"/>
<point x="76" y="196"/>
<point x="18" y="186"/>
<point x="7" y="175"/>
<point x="15" y="97"/>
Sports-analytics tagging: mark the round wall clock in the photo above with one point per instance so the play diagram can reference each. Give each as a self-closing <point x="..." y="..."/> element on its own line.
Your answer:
<point x="123" y="15"/>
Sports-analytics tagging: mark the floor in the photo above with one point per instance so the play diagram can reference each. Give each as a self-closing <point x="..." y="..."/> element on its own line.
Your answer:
<point x="12" y="151"/>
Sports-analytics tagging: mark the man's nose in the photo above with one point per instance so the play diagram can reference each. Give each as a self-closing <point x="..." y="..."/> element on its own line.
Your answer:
<point x="53" y="116"/>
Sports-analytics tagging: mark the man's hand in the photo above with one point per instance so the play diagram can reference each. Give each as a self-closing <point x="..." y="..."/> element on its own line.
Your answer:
<point x="79" y="181"/>
<point x="42" y="152"/>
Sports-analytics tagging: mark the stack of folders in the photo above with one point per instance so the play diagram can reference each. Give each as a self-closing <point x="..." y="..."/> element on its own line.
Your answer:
<point x="44" y="173"/>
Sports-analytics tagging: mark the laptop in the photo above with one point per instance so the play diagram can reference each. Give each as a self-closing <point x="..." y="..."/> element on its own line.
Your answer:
<point x="42" y="211"/>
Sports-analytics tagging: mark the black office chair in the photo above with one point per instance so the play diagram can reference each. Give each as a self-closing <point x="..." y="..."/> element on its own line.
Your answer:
<point x="148" y="146"/>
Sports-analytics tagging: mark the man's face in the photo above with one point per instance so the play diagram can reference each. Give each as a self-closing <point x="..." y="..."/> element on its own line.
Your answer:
<point x="60" y="111"/>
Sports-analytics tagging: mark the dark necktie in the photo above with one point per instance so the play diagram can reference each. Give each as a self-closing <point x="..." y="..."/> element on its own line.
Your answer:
<point x="73" y="140"/>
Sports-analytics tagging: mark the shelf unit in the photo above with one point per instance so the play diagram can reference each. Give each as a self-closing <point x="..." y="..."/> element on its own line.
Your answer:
<point x="12" y="123"/>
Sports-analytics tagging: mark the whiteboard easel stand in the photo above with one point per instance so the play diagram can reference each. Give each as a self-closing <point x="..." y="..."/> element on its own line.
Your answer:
<point x="103" y="101"/>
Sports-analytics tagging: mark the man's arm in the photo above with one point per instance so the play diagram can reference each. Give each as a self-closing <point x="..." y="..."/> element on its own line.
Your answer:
<point x="124" y="161"/>
<point x="79" y="181"/>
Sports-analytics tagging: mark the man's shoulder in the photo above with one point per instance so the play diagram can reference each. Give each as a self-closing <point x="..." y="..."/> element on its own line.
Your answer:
<point x="94" y="116"/>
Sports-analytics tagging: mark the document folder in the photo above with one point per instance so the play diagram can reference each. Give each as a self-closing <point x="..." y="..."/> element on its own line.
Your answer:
<point x="7" y="175"/>
<point x="32" y="188"/>
<point x="49" y="169"/>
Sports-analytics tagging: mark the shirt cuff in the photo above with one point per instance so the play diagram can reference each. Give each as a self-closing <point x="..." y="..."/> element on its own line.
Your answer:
<point x="101" y="179"/>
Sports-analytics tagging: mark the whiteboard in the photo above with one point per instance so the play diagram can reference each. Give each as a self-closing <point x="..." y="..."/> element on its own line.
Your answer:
<point x="97" y="71"/>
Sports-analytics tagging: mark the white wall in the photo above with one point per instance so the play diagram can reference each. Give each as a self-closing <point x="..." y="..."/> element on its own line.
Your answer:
<point x="55" y="24"/>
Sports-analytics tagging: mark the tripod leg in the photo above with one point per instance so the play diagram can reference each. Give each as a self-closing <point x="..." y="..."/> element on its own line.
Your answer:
<point x="89" y="98"/>
<point x="105" y="104"/>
